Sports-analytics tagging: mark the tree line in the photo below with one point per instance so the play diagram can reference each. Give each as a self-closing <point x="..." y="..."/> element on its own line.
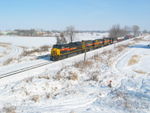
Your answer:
<point x="68" y="35"/>
<point x="116" y="31"/>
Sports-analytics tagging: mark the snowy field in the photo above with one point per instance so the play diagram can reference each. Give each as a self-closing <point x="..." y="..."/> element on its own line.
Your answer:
<point x="14" y="49"/>
<point x="114" y="79"/>
<point x="17" y="50"/>
<point x="28" y="41"/>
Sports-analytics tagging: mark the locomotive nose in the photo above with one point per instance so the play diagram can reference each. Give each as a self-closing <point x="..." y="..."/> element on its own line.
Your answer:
<point x="55" y="52"/>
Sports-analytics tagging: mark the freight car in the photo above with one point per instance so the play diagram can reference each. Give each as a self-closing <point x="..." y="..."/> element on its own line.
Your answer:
<point x="61" y="51"/>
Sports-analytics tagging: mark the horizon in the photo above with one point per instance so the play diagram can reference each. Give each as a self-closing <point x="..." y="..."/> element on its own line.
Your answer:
<point x="84" y="15"/>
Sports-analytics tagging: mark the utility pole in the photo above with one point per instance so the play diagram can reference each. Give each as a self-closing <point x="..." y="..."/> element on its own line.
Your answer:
<point x="85" y="55"/>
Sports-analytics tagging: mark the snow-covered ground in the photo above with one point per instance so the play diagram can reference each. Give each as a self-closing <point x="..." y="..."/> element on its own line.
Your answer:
<point x="74" y="86"/>
<point x="16" y="50"/>
<point x="28" y="41"/>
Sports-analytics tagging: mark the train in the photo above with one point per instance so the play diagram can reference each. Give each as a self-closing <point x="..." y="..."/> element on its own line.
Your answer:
<point x="62" y="51"/>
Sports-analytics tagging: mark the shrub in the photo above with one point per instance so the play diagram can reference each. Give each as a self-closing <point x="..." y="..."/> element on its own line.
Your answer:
<point x="38" y="50"/>
<point x="28" y="79"/>
<point x="83" y="64"/>
<point x="8" y="61"/>
<point x="35" y="98"/>
<point x="44" y="77"/>
<point x="73" y="76"/>
<point x="94" y="76"/>
<point x="9" y="109"/>
<point x="134" y="59"/>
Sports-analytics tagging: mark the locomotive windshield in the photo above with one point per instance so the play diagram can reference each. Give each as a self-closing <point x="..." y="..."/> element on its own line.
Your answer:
<point x="60" y="46"/>
<point x="57" y="46"/>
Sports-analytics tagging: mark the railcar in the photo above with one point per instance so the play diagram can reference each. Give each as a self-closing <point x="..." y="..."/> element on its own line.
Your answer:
<point x="98" y="43"/>
<point x="107" y="41"/>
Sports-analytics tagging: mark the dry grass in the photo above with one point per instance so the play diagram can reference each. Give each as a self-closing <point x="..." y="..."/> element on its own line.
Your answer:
<point x="9" y="109"/>
<point x="93" y="76"/>
<point x="8" y="61"/>
<point x="28" y="80"/>
<point x="139" y="39"/>
<point x="44" y="48"/>
<point x="83" y="65"/>
<point x="97" y="58"/>
<point x="58" y="76"/>
<point x="106" y="52"/>
<point x="122" y="47"/>
<point x="35" y="98"/>
<point x="41" y="49"/>
<point x="126" y="103"/>
<point x="73" y="76"/>
<point x="134" y="59"/>
<point x="48" y="95"/>
<point x="44" y="77"/>
<point x="139" y="71"/>
<point x="4" y="44"/>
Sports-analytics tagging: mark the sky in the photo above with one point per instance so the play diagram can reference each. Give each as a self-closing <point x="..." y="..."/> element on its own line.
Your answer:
<point x="82" y="14"/>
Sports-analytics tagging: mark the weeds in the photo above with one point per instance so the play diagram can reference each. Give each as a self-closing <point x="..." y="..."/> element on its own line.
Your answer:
<point x="44" y="77"/>
<point x="134" y="59"/>
<point x="73" y="76"/>
<point x="83" y="65"/>
<point x="41" y="49"/>
<point x="28" y="80"/>
<point x="139" y="71"/>
<point x="35" y="98"/>
<point x="48" y="95"/>
<point x="9" y="109"/>
<point x="8" y="61"/>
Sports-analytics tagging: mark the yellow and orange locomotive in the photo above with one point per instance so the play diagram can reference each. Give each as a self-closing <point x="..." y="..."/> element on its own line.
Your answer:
<point x="61" y="51"/>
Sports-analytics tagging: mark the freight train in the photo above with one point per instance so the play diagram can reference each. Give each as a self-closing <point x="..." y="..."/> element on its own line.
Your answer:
<point x="62" y="51"/>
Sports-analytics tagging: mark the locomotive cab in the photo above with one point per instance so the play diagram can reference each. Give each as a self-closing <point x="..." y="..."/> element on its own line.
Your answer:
<point x="55" y="52"/>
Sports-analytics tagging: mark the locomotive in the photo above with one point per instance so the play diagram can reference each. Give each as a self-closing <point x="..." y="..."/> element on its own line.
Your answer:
<point x="62" y="51"/>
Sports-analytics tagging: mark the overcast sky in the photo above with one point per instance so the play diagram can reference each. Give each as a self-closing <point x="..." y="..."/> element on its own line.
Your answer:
<point x="83" y="14"/>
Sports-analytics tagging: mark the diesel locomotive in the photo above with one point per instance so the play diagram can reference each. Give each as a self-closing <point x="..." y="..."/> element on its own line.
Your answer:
<point x="62" y="51"/>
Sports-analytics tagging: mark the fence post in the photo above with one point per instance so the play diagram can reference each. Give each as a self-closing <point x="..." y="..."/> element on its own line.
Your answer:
<point x="85" y="55"/>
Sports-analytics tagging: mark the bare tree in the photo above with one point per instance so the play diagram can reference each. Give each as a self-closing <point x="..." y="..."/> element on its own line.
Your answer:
<point x="1" y="33"/>
<point x="135" y="29"/>
<point x="127" y="30"/>
<point x="70" y="33"/>
<point x="115" y="32"/>
<point x="61" y="38"/>
<point x="58" y="41"/>
<point x="145" y="31"/>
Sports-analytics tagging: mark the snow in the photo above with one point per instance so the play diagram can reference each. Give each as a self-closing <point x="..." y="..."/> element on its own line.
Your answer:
<point x="28" y="41"/>
<point x="143" y="54"/>
<point x="14" y="53"/>
<point x="2" y="49"/>
<point x="74" y="86"/>
<point x="15" y="46"/>
<point x="41" y="41"/>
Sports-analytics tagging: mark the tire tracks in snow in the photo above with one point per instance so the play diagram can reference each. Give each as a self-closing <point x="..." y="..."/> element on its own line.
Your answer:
<point x="63" y="106"/>
<point x="14" y="53"/>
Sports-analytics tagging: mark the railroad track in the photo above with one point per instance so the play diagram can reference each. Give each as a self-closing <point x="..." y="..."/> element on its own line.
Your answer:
<point x="23" y="69"/>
